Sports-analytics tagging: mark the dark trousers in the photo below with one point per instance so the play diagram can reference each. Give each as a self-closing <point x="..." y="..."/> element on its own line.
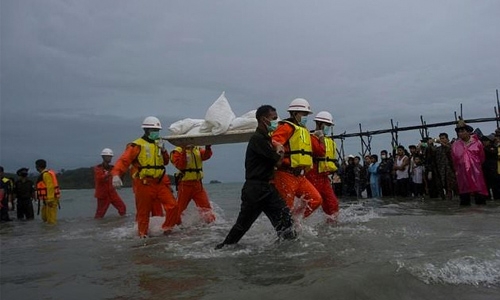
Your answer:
<point x="386" y="185"/>
<point x="465" y="199"/>
<point x="402" y="187"/>
<point x="337" y="188"/>
<point x="25" y="209"/>
<point x="368" y="190"/>
<point x="433" y="186"/>
<point x="496" y="188"/>
<point x="350" y="189"/>
<point x="258" y="197"/>
<point x="4" y="211"/>
<point x="417" y="189"/>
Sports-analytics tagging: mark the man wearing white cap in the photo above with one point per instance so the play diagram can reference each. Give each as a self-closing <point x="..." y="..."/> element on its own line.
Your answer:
<point x="290" y="178"/>
<point x="104" y="191"/>
<point x="324" y="165"/>
<point x="147" y="158"/>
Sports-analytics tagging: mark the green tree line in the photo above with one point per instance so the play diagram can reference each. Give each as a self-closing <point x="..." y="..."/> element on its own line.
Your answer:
<point x="81" y="178"/>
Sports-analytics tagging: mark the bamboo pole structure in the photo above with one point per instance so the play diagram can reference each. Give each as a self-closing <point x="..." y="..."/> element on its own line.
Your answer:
<point x="423" y="128"/>
<point x="497" y="111"/>
<point x="396" y="129"/>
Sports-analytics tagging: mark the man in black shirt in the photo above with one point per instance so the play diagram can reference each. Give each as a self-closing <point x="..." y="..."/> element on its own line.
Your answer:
<point x="24" y="191"/>
<point x="385" y="174"/>
<point x="259" y="193"/>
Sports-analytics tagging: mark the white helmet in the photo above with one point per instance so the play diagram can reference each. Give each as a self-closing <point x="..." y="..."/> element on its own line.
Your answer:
<point x="300" y="104"/>
<point x="151" y="122"/>
<point x="325" y="117"/>
<point x="107" y="151"/>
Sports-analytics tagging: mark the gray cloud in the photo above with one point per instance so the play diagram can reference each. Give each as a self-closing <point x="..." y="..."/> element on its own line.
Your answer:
<point x="87" y="72"/>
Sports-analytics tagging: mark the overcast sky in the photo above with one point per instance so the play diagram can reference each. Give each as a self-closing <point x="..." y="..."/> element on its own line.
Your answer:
<point x="78" y="76"/>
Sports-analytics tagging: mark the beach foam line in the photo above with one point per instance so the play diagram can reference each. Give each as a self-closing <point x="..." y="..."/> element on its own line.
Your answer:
<point x="468" y="270"/>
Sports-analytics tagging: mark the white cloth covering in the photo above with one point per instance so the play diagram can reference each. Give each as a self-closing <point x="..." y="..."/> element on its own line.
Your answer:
<point x="219" y="119"/>
<point x="183" y="126"/>
<point x="246" y="121"/>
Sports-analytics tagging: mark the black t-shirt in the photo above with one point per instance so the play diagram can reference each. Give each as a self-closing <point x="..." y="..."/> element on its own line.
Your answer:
<point x="24" y="189"/>
<point x="260" y="157"/>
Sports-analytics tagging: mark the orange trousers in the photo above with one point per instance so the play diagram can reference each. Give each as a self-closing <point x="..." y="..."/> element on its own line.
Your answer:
<point x="193" y="190"/>
<point x="157" y="209"/>
<point x="323" y="185"/>
<point x="290" y="186"/>
<point x="147" y="191"/>
<point x="104" y="203"/>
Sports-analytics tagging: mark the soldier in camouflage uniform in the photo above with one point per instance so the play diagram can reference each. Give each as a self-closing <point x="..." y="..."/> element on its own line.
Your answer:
<point x="447" y="181"/>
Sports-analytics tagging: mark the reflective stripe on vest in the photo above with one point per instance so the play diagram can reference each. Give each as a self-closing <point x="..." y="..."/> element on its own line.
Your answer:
<point x="41" y="187"/>
<point x="300" y="152"/>
<point x="194" y="165"/>
<point x="8" y="182"/>
<point x="150" y="160"/>
<point x="326" y="164"/>
<point x="9" y="187"/>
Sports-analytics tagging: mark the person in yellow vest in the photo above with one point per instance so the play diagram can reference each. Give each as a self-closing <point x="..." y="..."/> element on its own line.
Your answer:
<point x="189" y="161"/>
<point x="47" y="191"/>
<point x="290" y="178"/>
<point x="324" y="166"/>
<point x="148" y="158"/>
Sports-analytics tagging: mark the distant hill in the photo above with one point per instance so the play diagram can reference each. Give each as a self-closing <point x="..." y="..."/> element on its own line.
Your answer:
<point x="82" y="178"/>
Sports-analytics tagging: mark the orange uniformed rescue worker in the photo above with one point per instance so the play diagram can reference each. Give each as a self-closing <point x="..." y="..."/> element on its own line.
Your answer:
<point x="105" y="193"/>
<point x="290" y="177"/>
<point x="47" y="191"/>
<point x="148" y="159"/>
<point x="324" y="166"/>
<point x="189" y="161"/>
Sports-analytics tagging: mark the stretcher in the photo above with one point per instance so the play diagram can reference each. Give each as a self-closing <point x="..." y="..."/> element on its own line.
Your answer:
<point x="201" y="139"/>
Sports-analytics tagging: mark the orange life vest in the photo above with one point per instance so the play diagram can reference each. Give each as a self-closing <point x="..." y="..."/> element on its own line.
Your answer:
<point x="41" y="187"/>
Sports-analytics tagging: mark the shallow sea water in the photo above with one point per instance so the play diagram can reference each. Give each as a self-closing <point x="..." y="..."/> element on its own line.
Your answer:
<point x="380" y="249"/>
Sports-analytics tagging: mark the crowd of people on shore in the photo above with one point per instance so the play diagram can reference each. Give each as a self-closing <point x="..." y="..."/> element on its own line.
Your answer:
<point x="290" y="172"/>
<point x="468" y="165"/>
